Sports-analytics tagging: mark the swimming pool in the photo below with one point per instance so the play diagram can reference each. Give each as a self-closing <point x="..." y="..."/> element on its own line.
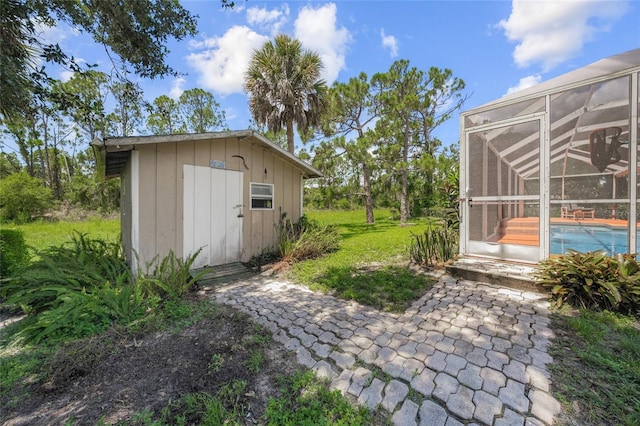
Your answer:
<point x="588" y="238"/>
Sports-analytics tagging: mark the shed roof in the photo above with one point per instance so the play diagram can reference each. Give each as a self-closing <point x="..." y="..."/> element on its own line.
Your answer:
<point x="116" y="151"/>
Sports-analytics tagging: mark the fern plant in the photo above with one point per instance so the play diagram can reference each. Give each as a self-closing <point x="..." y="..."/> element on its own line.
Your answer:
<point x="171" y="277"/>
<point x="83" y="264"/>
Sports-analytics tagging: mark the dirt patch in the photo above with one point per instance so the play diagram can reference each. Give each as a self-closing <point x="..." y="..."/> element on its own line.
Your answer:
<point x="110" y="377"/>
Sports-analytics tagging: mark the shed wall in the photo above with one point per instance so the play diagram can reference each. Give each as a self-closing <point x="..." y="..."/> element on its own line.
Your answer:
<point x="161" y="186"/>
<point x="125" y="212"/>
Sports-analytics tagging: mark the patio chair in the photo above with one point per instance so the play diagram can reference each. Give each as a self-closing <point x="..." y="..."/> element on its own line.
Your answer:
<point x="584" y="212"/>
<point x="577" y="212"/>
<point x="567" y="213"/>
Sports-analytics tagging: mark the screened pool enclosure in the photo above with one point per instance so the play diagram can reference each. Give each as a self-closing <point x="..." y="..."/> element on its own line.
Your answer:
<point x="554" y="167"/>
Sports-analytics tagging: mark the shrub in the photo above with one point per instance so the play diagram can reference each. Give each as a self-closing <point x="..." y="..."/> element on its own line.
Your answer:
<point x="306" y="239"/>
<point x="22" y="197"/>
<point x="83" y="264"/>
<point x="73" y="290"/>
<point x="84" y="286"/>
<point x="169" y="278"/>
<point x="437" y="245"/>
<point x="592" y="280"/>
<point x="13" y="252"/>
<point x="94" y="193"/>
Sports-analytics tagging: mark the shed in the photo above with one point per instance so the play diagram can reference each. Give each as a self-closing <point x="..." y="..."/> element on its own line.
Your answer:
<point x="222" y="192"/>
<point x="554" y="167"/>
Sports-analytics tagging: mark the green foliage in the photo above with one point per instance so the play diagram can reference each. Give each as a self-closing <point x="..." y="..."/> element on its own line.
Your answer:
<point x="74" y="290"/>
<point x="208" y="410"/>
<point x="306" y="239"/>
<point x="13" y="252"/>
<point x="265" y="256"/>
<point x="596" y="368"/>
<point x="382" y="243"/>
<point x="216" y="363"/>
<point x="592" y="280"/>
<point x="256" y="360"/>
<point x="284" y="87"/>
<point x="390" y="288"/>
<point x="306" y="401"/>
<point x="9" y="164"/>
<point x="19" y="364"/>
<point x="135" y="31"/>
<point x="83" y="264"/>
<point x="201" y="112"/>
<point x="93" y="193"/>
<point x="169" y="278"/>
<point x="83" y="287"/>
<point x="22" y="197"/>
<point x="437" y="245"/>
<point x="41" y="235"/>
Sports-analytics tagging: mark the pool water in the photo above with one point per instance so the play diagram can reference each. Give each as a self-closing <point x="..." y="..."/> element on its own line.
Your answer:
<point x="588" y="238"/>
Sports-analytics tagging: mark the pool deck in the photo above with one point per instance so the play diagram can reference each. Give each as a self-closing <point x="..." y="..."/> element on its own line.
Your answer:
<point x="524" y="230"/>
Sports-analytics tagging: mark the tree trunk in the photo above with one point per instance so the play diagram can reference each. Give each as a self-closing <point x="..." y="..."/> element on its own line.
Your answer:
<point x="290" y="145"/>
<point x="368" y="201"/>
<point x="404" y="205"/>
<point x="404" y="208"/>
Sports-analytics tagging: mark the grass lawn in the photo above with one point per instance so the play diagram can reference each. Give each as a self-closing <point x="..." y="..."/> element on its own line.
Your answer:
<point x="596" y="369"/>
<point x="370" y="265"/>
<point x="40" y="235"/>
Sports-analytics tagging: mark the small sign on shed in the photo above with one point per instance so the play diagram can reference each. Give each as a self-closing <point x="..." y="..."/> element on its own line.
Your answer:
<point x="217" y="164"/>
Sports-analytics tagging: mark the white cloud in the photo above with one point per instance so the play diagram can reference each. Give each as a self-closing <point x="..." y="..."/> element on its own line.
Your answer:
<point x="551" y="32"/>
<point x="230" y="114"/>
<point x="272" y="20"/>
<point x="524" y="83"/>
<point x="177" y="87"/>
<point x="66" y="75"/>
<point x="316" y="29"/>
<point x="52" y="34"/>
<point x="389" y="42"/>
<point x="222" y="61"/>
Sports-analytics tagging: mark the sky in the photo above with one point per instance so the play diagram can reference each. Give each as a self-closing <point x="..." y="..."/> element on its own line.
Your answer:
<point x="496" y="47"/>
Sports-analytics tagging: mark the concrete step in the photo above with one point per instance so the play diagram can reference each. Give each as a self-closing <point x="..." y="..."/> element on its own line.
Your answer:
<point x="503" y="273"/>
<point x="221" y="274"/>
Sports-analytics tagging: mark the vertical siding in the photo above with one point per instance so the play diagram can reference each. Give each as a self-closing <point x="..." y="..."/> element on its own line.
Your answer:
<point x="287" y="190"/>
<point x="125" y="212"/>
<point x="295" y="194"/>
<point x="185" y="155"/>
<point x="278" y="181"/>
<point x="161" y="193"/>
<point x="147" y="204"/>
<point x="257" y="216"/>
<point x="202" y="153"/>
<point x="244" y="149"/>
<point x="166" y="198"/>
<point x="268" y="216"/>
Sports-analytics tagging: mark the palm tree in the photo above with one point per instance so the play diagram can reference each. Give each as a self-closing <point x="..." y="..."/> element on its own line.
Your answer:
<point x="284" y="87"/>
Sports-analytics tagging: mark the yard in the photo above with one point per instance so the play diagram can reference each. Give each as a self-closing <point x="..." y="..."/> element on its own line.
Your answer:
<point x="233" y="368"/>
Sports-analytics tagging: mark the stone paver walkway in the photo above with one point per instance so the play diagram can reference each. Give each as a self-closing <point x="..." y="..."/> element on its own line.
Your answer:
<point x="465" y="353"/>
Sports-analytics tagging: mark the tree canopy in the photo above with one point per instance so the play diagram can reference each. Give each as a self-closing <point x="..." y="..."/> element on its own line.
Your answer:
<point x="136" y="31"/>
<point x="383" y="128"/>
<point x="284" y="87"/>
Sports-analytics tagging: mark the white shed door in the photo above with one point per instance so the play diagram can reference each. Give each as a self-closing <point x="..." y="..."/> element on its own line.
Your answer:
<point x="212" y="215"/>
